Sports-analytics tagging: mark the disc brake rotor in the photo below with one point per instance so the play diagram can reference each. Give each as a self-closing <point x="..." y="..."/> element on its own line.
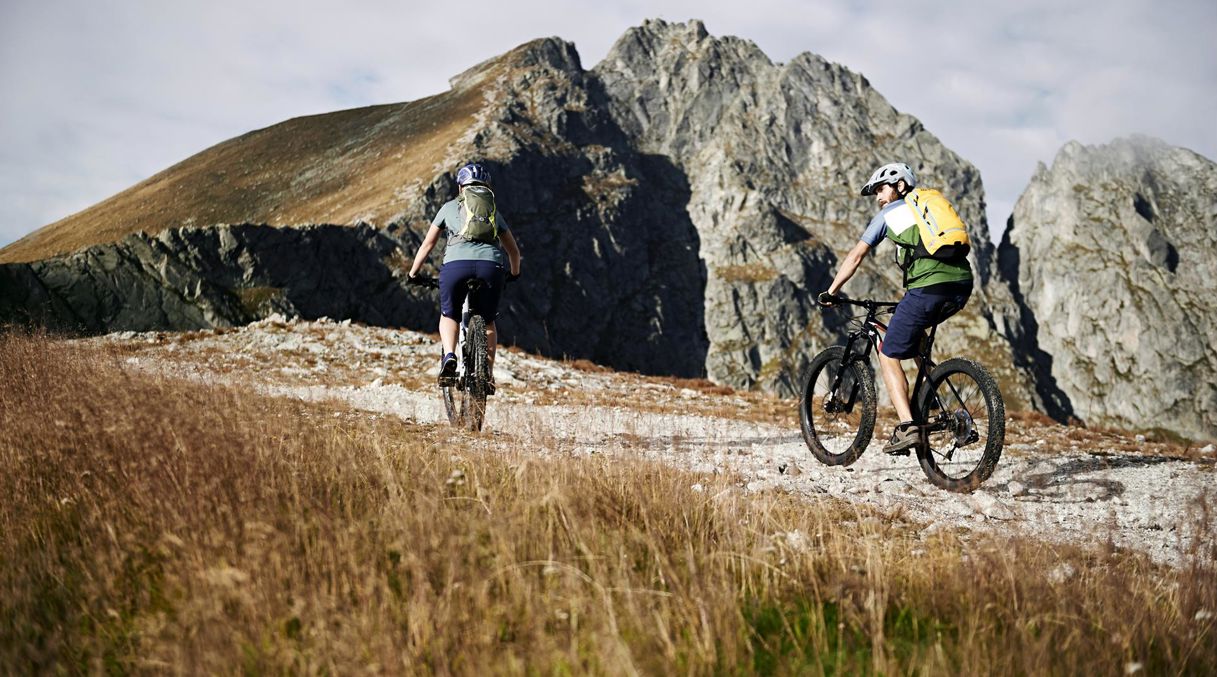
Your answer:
<point x="965" y="428"/>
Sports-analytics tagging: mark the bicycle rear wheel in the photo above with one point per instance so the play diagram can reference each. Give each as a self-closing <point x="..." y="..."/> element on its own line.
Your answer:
<point x="838" y="425"/>
<point x="477" y="373"/>
<point x="965" y="420"/>
<point x="451" y="407"/>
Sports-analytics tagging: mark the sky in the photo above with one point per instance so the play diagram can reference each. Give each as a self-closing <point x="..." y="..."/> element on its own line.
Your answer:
<point x="101" y="94"/>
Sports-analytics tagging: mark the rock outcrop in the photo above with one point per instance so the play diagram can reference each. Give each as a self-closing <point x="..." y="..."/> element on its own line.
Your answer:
<point x="1112" y="255"/>
<point x="195" y="278"/>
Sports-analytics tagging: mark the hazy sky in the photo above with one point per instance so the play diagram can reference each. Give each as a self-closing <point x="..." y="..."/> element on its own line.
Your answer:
<point x="99" y="94"/>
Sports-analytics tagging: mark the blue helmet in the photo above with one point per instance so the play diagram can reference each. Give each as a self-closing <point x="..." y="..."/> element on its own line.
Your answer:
<point x="472" y="173"/>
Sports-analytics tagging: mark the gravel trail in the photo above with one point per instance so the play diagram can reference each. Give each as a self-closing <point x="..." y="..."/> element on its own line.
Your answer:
<point x="1052" y="482"/>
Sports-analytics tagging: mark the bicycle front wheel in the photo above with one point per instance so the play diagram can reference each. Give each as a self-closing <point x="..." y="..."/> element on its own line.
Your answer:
<point x="965" y="420"/>
<point x="477" y="373"/>
<point x="837" y="422"/>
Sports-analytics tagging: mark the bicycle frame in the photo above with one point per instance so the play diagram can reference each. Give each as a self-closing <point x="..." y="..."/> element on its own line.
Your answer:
<point x="471" y="286"/>
<point x="872" y="333"/>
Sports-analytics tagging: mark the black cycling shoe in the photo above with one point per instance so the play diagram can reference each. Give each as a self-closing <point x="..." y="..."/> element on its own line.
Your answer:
<point x="904" y="438"/>
<point x="447" y="366"/>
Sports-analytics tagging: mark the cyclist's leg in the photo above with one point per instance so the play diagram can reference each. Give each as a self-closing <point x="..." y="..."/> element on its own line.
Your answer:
<point x="897" y="386"/>
<point x="915" y="313"/>
<point x="492" y="341"/>
<point x="452" y="277"/>
<point x="449" y="329"/>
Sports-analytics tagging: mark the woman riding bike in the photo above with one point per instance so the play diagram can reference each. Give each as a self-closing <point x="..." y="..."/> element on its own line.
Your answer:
<point x="478" y="236"/>
<point x="936" y="288"/>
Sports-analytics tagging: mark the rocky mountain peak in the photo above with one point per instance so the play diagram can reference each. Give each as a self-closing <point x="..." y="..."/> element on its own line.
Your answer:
<point x="774" y="155"/>
<point x="544" y="53"/>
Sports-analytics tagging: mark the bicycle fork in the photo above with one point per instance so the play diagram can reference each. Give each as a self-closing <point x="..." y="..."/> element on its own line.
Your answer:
<point x="834" y="403"/>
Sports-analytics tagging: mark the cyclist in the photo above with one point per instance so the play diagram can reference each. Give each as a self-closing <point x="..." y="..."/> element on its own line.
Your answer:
<point x="469" y="254"/>
<point x="936" y="290"/>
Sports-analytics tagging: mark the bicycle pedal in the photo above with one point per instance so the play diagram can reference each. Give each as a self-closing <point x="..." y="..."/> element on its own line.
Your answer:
<point x="899" y="452"/>
<point x="448" y="381"/>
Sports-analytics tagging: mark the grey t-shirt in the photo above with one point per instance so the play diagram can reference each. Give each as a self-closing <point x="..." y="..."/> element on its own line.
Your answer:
<point x="458" y="248"/>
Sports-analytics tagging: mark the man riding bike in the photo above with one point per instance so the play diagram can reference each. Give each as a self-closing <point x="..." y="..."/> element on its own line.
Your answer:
<point x="936" y="288"/>
<point x="478" y="236"/>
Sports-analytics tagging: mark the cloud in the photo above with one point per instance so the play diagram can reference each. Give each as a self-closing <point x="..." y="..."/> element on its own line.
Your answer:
<point x="102" y="95"/>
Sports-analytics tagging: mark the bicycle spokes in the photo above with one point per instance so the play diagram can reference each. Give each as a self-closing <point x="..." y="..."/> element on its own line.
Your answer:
<point x="837" y="408"/>
<point x="965" y="425"/>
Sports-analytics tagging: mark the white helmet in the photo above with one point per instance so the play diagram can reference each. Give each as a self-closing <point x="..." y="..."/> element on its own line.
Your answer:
<point x="890" y="173"/>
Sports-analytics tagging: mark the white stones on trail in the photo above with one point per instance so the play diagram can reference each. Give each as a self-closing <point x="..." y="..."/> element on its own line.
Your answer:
<point x="989" y="506"/>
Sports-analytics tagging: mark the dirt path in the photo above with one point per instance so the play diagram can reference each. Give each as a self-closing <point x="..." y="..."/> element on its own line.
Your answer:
<point x="1053" y="482"/>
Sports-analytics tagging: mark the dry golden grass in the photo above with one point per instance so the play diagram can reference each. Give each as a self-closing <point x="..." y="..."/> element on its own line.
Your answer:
<point x="153" y="525"/>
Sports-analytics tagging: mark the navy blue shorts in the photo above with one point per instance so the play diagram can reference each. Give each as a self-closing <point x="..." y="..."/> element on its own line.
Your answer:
<point x="452" y="290"/>
<point x="919" y="310"/>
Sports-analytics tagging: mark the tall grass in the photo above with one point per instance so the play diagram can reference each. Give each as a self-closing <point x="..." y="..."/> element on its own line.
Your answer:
<point x="150" y="525"/>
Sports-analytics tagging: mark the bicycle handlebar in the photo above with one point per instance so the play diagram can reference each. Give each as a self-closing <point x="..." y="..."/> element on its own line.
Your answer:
<point x="422" y="281"/>
<point x="869" y="304"/>
<point x="429" y="282"/>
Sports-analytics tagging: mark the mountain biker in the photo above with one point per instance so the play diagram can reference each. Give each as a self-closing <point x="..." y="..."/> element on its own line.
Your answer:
<point x="936" y="290"/>
<point x="466" y="258"/>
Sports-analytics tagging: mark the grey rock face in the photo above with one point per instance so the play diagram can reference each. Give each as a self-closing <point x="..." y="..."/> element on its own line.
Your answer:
<point x="611" y="270"/>
<point x="1112" y="254"/>
<point x="775" y="155"/>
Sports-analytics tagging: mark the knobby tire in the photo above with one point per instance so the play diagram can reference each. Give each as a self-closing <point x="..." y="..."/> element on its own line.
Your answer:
<point x="451" y="407"/>
<point x="477" y="373"/>
<point x="971" y="402"/>
<point x="837" y="438"/>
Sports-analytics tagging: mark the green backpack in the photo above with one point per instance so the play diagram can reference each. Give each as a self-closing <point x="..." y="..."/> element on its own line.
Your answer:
<point x="479" y="226"/>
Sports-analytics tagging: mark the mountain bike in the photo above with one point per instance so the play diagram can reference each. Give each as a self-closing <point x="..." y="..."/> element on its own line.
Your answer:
<point x="956" y="405"/>
<point x="464" y="394"/>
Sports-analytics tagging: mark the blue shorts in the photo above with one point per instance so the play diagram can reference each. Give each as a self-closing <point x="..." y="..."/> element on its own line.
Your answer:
<point x="452" y="290"/>
<point x="919" y="310"/>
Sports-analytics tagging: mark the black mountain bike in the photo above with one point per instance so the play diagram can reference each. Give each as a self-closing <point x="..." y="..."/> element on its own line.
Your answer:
<point x="956" y="405"/>
<point x="465" y="393"/>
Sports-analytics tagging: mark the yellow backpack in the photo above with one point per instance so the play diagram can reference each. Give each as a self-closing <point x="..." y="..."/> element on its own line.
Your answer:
<point x="943" y="234"/>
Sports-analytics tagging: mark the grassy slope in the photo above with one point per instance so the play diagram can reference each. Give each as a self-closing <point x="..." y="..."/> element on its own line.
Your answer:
<point x="331" y="168"/>
<point x="150" y="523"/>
